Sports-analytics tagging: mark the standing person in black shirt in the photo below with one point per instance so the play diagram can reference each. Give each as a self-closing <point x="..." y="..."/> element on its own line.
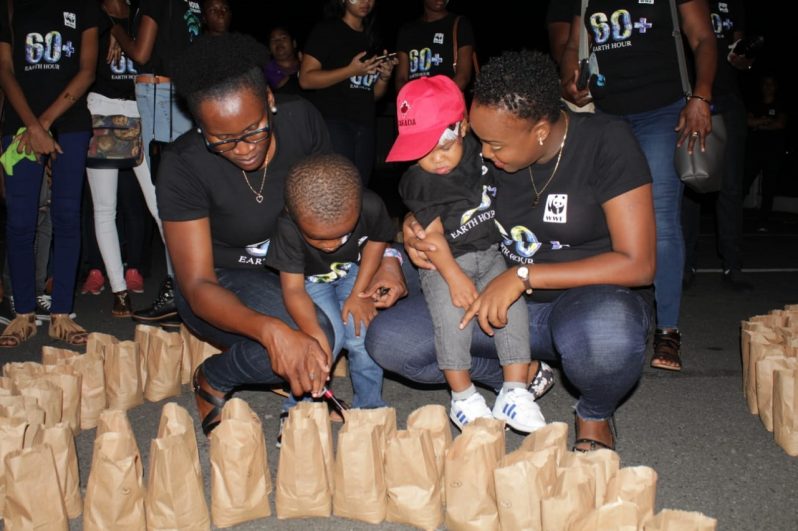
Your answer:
<point x="341" y="62"/>
<point x="164" y="29"/>
<point x="216" y="16"/>
<point x="48" y="60"/>
<point x="728" y="22"/>
<point x="640" y="82"/>
<point x="426" y="46"/>
<point x="767" y="144"/>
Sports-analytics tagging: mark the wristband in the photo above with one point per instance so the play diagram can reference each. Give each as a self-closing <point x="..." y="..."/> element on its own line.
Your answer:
<point x="390" y="252"/>
<point x="702" y="98"/>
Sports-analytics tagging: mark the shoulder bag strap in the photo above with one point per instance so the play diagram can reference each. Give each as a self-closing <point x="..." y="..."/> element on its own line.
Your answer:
<point x="677" y="36"/>
<point x="583" y="43"/>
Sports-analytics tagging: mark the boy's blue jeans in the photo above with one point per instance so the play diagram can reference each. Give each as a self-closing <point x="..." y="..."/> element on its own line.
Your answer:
<point x="364" y="372"/>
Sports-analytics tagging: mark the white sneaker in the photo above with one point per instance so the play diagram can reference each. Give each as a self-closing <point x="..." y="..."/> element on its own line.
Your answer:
<point x="517" y="407"/>
<point x="464" y="411"/>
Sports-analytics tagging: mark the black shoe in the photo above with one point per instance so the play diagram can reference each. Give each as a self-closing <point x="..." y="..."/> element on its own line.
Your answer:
<point x="688" y="278"/>
<point x="735" y="280"/>
<point x="163" y="311"/>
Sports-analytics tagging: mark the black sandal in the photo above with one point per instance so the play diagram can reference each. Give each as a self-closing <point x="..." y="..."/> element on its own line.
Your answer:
<point x="667" y="346"/>
<point x="211" y="419"/>
<point x="593" y="444"/>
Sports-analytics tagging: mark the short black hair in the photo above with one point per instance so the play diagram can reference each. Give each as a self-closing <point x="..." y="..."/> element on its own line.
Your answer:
<point x="325" y="187"/>
<point x="214" y="66"/>
<point x="523" y="82"/>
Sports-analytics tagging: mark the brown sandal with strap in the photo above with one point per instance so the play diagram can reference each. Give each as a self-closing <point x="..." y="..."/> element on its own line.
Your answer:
<point x="64" y="328"/>
<point x="584" y="443"/>
<point x="667" y="344"/>
<point x="21" y="328"/>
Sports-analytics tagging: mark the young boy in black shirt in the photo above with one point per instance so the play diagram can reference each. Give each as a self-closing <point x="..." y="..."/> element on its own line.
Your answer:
<point x="451" y="193"/>
<point x="328" y="245"/>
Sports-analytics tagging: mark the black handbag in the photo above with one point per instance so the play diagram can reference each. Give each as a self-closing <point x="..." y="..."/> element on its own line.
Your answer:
<point x="702" y="171"/>
<point x="115" y="143"/>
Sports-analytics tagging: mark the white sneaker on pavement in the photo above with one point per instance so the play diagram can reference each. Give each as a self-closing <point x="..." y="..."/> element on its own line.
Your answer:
<point x="517" y="407"/>
<point x="464" y="411"/>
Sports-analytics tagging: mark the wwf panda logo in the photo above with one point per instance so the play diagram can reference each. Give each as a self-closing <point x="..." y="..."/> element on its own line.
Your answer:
<point x="556" y="210"/>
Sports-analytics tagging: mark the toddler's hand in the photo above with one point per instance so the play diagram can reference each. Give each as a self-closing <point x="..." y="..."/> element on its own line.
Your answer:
<point x="362" y="311"/>
<point x="463" y="292"/>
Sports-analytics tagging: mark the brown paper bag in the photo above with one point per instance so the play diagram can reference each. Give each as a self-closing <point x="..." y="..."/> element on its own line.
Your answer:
<point x="412" y="480"/>
<point x="142" y="340"/>
<point x="195" y="351"/>
<point x="115" y="489"/>
<point x="69" y="381"/>
<point x="574" y="496"/>
<point x="61" y="440"/>
<point x="54" y="356"/>
<point x="523" y="478"/>
<point x="176" y="421"/>
<point x="785" y="410"/>
<point x="554" y="434"/>
<point x="92" y="387"/>
<point x="304" y="477"/>
<point x="765" y="369"/>
<point x="22" y="407"/>
<point x="116" y="421"/>
<point x="31" y="479"/>
<point x="164" y="350"/>
<point x="636" y="484"/>
<point x="240" y="482"/>
<point x="16" y="369"/>
<point x="468" y="471"/>
<point x="98" y="343"/>
<point x="49" y="397"/>
<point x="604" y="464"/>
<point x="175" y="498"/>
<point x="750" y="329"/>
<point x="385" y="417"/>
<point x="123" y="383"/>
<point x="761" y="344"/>
<point x="359" y="473"/>
<point x="673" y="520"/>
<point x="434" y="419"/>
<point x="12" y="438"/>
<point x="6" y="386"/>
<point x="615" y="516"/>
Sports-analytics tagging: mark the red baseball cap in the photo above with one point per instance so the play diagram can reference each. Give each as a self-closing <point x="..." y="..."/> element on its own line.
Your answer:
<point x="425" y="107"/>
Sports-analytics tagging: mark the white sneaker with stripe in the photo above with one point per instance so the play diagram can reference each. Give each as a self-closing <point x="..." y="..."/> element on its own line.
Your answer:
<point x="464" y="411"/>
<point x="517" y="407"/>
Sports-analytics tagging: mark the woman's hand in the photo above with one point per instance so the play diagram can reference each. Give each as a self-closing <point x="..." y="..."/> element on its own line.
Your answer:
<point x="416" y="247"/>
<point x="387" y="285"/>
<point x="695" y="123"/>
<point x="360" y="309"/>
<point x="297" y="358"/>
<point x="385" y="68"/>
<point x="362" y="68"/>
<point x="492" y="304"/>
<point x="114" y="51"/>
<point x="37" y="140"/>
<point x="570" y="92"/>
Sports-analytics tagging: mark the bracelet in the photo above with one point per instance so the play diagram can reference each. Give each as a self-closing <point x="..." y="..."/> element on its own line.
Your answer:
<point x="390" y="252"/>
<point x="702" y="98"/>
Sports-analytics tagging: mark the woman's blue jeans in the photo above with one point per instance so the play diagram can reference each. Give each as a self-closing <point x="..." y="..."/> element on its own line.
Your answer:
<point x="655" y="133"/>
<point x="243" y="361"/>
<point x="598" y="333"/>
<point x="22" y="201"/>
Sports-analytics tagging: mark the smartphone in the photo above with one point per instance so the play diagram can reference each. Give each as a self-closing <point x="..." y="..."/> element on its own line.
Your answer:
<point x="584" y="74"/>
<point x="387" y="57"/>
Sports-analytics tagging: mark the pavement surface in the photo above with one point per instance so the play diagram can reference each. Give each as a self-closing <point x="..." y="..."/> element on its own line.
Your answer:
<point x="692" y="427"/>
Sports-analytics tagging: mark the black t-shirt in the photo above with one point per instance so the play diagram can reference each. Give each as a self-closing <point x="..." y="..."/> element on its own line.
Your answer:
<point x="333" y="43"/>
<point x="463" y="200"/>
<point x="727" y="18"/>
<point x="601" y="160"/>
<point x="430" y="46"/>
<point x="117" y="79"/>
<point x="179" y="23"/>
<point x="194" y="183"/>
<point x="47" y="38"/>
<point x="290" y="252"/>
<point x="636" y="54"/>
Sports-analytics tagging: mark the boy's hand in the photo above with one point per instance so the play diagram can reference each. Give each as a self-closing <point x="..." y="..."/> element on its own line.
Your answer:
<point x="361" y="310"/>
<point x="463" y="291"/>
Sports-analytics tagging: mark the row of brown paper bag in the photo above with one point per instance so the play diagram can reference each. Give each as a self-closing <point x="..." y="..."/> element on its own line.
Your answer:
<point x="769" y="348"/>
<point x="421" y="477"/>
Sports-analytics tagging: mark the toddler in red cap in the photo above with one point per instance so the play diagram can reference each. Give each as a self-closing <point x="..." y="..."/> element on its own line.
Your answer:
<point x="451" y="193"/>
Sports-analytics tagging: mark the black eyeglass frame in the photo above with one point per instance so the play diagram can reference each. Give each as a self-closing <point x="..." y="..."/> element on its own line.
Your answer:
<point x="214" y="146"/>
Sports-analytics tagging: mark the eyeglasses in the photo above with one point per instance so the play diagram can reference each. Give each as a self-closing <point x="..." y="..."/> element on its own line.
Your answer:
<point x="253" y="137"/>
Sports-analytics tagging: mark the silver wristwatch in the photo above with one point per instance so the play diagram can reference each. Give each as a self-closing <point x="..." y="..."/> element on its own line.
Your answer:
<point x="522" y="272"/>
